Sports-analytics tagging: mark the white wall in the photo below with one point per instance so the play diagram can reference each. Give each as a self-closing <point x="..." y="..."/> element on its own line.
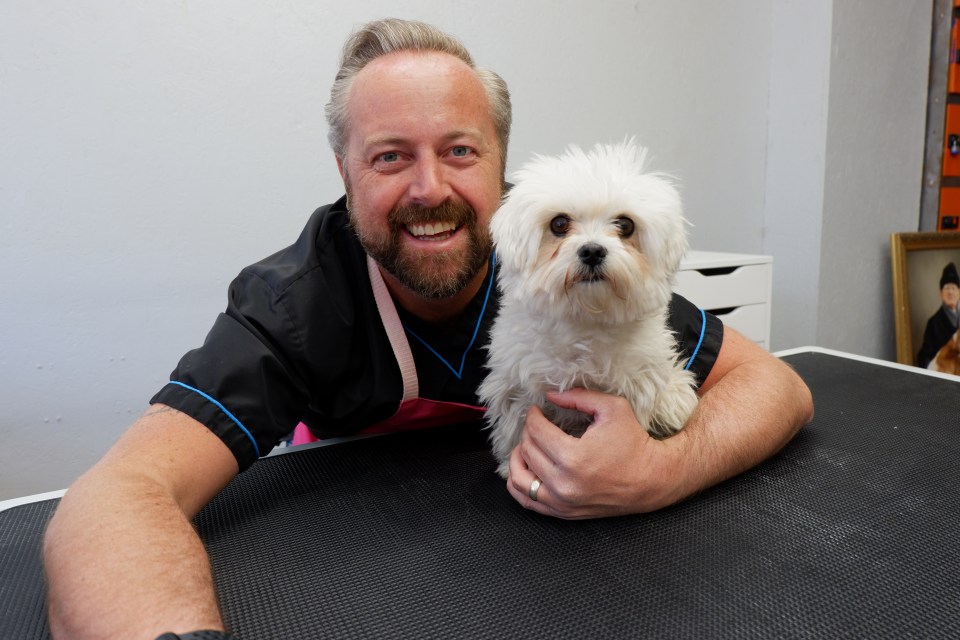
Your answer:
<point x="797" y="137"/>
<point x="874" y="165"/>
<point x="150" y="150"/>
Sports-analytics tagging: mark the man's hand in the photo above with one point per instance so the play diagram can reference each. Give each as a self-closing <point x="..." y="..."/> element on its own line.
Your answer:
<point x="751" y="405"/>
<point x="614" y="468"/>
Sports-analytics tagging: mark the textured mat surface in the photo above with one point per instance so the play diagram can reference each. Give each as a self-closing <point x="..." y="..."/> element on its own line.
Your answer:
<point x="851" y="531"/>
<point x="23" y="611"/>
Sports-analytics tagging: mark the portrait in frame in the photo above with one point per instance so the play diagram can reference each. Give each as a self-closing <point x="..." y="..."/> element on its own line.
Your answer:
<point x="920" y="263"/>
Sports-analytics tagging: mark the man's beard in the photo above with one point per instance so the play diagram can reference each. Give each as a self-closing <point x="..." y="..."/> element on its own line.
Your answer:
<point x="438" y="275"/>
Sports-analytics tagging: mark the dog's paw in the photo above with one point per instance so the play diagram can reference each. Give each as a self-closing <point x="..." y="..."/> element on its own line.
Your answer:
<point x="674" y="407"/>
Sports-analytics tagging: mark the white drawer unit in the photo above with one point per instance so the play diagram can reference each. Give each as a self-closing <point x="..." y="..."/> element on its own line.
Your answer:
<point x="734" y="286"/>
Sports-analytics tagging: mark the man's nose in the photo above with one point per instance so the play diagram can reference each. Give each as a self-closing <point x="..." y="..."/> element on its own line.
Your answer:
<point x="429" y="187"/>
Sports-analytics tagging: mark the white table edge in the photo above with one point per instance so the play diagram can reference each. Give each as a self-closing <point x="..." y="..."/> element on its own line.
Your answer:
<point x="853" y="356"/>
<point x="39" y="497"/>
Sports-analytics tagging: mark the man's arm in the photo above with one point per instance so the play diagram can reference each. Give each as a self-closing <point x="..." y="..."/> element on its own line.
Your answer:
<point x="751" y="405"/>
<point x="121" y="556"/>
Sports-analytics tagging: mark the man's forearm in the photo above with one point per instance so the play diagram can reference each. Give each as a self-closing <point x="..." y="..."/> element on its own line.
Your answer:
<point x="746" y="417"/>
<point x="121" y="556"/>
<point x="123" y="561"/>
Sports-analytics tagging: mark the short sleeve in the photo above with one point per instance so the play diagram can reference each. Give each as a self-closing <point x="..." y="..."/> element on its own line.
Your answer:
<point x="238" y="383"/>
<point x="699" y="336"/>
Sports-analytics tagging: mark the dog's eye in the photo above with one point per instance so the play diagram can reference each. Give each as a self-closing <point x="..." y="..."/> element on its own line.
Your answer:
<point x="559" y="226"/>
<point x="624" y="226"/>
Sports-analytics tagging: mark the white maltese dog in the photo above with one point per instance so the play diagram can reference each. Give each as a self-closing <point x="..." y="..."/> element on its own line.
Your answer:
<point x="588" y="244"/>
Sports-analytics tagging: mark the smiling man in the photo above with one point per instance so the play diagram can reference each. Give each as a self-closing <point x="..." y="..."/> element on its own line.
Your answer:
<point x="376" y="319"/>
<point x="424" y="176"/>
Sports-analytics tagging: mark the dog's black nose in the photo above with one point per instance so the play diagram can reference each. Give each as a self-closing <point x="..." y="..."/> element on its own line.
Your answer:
<point x="592" y="254"/>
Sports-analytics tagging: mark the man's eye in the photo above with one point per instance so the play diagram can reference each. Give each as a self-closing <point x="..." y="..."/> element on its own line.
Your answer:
<point x="559" y="226"/>
<point x="390" y="156"/>
<point x="460" y="152"/>
<point x="624" y="226"/>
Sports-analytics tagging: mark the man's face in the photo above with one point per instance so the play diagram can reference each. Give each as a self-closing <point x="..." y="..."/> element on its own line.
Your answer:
<point x="422" y="168"/>
<point x="950" y="294"/>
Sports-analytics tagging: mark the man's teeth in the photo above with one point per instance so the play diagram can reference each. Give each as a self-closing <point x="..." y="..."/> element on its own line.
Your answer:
<point x="426" y="230"/>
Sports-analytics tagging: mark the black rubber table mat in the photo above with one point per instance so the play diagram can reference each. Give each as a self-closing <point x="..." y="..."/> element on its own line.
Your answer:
<point x="850" y="532"/>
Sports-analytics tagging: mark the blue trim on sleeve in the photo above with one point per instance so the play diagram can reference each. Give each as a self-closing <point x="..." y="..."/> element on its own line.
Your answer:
<point x="224" y="409"/>
<point x="703" y="333"/>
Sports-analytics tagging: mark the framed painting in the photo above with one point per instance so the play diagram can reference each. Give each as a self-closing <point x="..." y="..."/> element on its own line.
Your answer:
<point x="924" y="283"/>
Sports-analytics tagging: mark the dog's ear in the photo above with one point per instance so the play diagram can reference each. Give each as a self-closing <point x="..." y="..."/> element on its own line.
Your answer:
<point x="663" y="227"/>
<point x="515" y="238"/>
<point x="667" y="243"/>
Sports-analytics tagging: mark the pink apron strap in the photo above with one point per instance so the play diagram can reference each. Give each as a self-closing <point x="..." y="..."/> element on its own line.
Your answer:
<point x="398" y="341"/>
<point x="395" y="332"/>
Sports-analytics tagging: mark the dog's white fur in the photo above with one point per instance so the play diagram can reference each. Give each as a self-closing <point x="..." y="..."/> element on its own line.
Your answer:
<point x="562" y="324"/>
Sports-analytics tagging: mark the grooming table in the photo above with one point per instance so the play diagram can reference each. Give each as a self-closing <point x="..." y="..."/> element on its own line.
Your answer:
<point x="851" y="531"/>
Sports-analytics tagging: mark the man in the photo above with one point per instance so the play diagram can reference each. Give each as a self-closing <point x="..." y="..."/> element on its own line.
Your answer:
<point x="321" y="334"/>
<point x="943" y="324"/>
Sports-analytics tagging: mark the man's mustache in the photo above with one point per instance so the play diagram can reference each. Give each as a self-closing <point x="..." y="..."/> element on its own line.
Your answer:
<point x="458" y="213"/>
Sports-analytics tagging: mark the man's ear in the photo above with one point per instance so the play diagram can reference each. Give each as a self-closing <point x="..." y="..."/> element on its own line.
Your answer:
<point x="340" y="168"/>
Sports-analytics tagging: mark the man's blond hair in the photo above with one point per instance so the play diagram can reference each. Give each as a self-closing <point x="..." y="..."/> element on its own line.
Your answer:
<point x="381" y="37"/>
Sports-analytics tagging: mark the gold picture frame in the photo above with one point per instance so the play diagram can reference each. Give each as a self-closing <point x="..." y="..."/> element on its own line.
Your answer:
<point x="918" y="259"/>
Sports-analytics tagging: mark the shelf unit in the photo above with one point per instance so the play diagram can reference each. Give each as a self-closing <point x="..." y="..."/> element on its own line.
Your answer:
<point x="736" y="287"/>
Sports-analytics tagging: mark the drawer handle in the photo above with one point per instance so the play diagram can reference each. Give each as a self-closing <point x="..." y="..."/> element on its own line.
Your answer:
<point x="717" y="271"/>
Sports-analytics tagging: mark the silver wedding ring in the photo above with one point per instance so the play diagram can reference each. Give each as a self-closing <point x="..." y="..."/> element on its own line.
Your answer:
<point x="534" y="487"/>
